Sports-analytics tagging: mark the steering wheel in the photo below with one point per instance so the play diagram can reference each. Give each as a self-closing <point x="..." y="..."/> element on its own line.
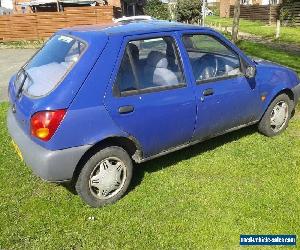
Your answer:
<point x="205" y="67"/>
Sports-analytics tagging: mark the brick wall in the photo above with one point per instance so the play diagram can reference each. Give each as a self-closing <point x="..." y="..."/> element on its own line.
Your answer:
<point x="225" y="7"/>
<point x="116" y="3"/>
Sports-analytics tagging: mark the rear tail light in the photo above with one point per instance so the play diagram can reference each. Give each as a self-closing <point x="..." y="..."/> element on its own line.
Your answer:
<point x="44" y="124"/>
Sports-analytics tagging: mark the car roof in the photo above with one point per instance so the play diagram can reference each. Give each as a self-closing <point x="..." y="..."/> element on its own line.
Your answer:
<point x="133" y="18"/>
<point x="133" y="28"/>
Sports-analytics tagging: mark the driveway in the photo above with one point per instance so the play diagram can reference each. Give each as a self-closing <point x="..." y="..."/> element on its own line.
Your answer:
<point x="10" y="61"/>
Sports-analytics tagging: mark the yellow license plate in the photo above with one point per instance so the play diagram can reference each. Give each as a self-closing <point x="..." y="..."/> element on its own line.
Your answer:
<point x="17" y="150"/>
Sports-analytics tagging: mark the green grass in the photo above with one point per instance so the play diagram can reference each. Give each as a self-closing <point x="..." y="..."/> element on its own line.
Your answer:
<point x="201" y="197"/>
<point x="288" y="34"/>
<point x="275" y="55"/>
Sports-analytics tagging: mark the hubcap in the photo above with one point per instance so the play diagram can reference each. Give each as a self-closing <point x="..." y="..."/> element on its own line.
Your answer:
<point x="107" y="178"/>
<point x="279" y="116"/>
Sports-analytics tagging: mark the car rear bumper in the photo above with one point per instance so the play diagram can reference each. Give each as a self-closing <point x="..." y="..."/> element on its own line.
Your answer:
<point x="296" y="91"/>
<point x="54" y="166"/>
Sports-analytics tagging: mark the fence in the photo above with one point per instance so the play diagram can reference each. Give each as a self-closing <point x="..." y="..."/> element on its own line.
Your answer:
<point x="42" y="25"/>
<point x="291" y="13"/>
<point x="258" y="12"/>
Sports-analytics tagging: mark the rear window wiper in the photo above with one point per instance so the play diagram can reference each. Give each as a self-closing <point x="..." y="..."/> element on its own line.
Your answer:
<point x="26" y="75"/>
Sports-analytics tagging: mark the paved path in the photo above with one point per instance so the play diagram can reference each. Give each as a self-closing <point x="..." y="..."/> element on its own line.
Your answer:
<point x="10" y="62"/>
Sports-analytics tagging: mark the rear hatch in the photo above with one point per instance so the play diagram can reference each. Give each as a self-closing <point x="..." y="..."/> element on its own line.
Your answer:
<point x="53" y="76"/>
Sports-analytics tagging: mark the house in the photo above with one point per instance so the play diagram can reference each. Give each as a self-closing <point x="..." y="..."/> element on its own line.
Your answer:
<point x="127" y="7"/>
<point x="5" y="11"/>
<point x="6" y="4"/>
<point x="260" y="2"/>
<point x="225" y="4"/>
<point x="29" y="6"/>
<point x="213" y="3"/>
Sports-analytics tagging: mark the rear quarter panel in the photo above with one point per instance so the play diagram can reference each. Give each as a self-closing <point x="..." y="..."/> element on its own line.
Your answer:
<point x="63" y="94"/>
<point x="87" y="120"/>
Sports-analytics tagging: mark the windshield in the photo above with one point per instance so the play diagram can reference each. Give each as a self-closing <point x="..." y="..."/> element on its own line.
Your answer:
<point x="49" y="66"/>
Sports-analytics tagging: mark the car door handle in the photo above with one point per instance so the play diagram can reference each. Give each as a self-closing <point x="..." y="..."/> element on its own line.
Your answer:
<point x="126" y="109"/>
<point x="208" y="92"/>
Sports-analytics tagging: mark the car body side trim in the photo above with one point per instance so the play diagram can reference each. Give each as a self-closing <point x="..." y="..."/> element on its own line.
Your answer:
<point x="165" y="152"/>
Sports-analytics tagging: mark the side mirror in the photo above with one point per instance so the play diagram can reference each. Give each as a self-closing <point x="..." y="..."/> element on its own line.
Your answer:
<point x="250" y="72"/>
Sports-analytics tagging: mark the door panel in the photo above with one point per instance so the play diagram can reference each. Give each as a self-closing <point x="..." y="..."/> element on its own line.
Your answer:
<point x="151" y="100"/>
<point x="159" y="120"/>
<point x="232" y="103"/>
<point x="225" y="97"/>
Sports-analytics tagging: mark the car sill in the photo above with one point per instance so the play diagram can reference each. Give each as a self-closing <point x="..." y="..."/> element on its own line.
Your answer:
<point x="168" y="151"/>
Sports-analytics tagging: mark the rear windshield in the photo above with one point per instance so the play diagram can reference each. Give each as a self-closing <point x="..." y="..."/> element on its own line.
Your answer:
<point x="50" y="65"/>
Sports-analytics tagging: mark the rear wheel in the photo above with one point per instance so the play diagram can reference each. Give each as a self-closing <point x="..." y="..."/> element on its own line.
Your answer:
<point x="276" y="118"/>
<point x="105" y="177"/>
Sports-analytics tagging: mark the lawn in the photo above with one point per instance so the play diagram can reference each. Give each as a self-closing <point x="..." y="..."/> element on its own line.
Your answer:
<point x="288" y="34"/>
<point x="201" y="197"/>
<point x="23" y="44"/>
<point x="275" y="55"/>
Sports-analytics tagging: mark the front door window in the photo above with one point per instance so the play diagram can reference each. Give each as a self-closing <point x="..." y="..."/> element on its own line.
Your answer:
<point x="210" y="59"/>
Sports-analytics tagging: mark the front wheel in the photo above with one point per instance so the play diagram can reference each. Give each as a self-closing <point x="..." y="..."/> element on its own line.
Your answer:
<point x="276" y="118"/>
<point x="105" y="177"/>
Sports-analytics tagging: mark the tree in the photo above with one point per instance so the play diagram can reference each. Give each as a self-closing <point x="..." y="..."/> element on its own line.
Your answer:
<point x="236" y="20"/>
<point x="188" y="11"/>
<point x="270" y="12"/>
<point x="157" y="9"/>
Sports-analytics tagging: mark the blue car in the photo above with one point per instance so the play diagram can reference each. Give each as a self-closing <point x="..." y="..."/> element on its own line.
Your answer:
<point x="97" y="99"/>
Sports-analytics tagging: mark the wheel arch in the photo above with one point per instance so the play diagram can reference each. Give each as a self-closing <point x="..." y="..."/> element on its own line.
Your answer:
<point x="286" y="91"/>
<point x="129" y="144"/>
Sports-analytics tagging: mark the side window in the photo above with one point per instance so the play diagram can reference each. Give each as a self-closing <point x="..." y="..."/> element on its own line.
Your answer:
<point x="210" y="58"/>
<point x="149" y="64"/>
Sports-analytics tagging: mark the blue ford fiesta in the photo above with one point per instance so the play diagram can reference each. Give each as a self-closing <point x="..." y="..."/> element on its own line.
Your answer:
<point x="95" y="99"/>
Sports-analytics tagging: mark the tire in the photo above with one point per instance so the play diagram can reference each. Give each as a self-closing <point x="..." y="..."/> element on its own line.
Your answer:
<point x="267" y="125"/>
<point x="105" y="177"/>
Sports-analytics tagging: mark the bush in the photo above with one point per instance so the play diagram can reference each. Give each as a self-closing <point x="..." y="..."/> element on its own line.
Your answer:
<point x="188" y="11"/>
<point x="157" y="9"/>
<point x="215" y="9"/>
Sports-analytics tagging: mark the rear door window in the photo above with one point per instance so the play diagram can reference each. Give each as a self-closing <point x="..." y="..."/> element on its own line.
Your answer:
<point x="149" y="65"/>
<point x="50" y="65"/>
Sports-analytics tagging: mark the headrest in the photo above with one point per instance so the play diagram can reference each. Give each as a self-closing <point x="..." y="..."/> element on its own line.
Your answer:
<point x="188" y="43"/>
<point x="157" y="59"/>
<point x="134" y="51"/>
